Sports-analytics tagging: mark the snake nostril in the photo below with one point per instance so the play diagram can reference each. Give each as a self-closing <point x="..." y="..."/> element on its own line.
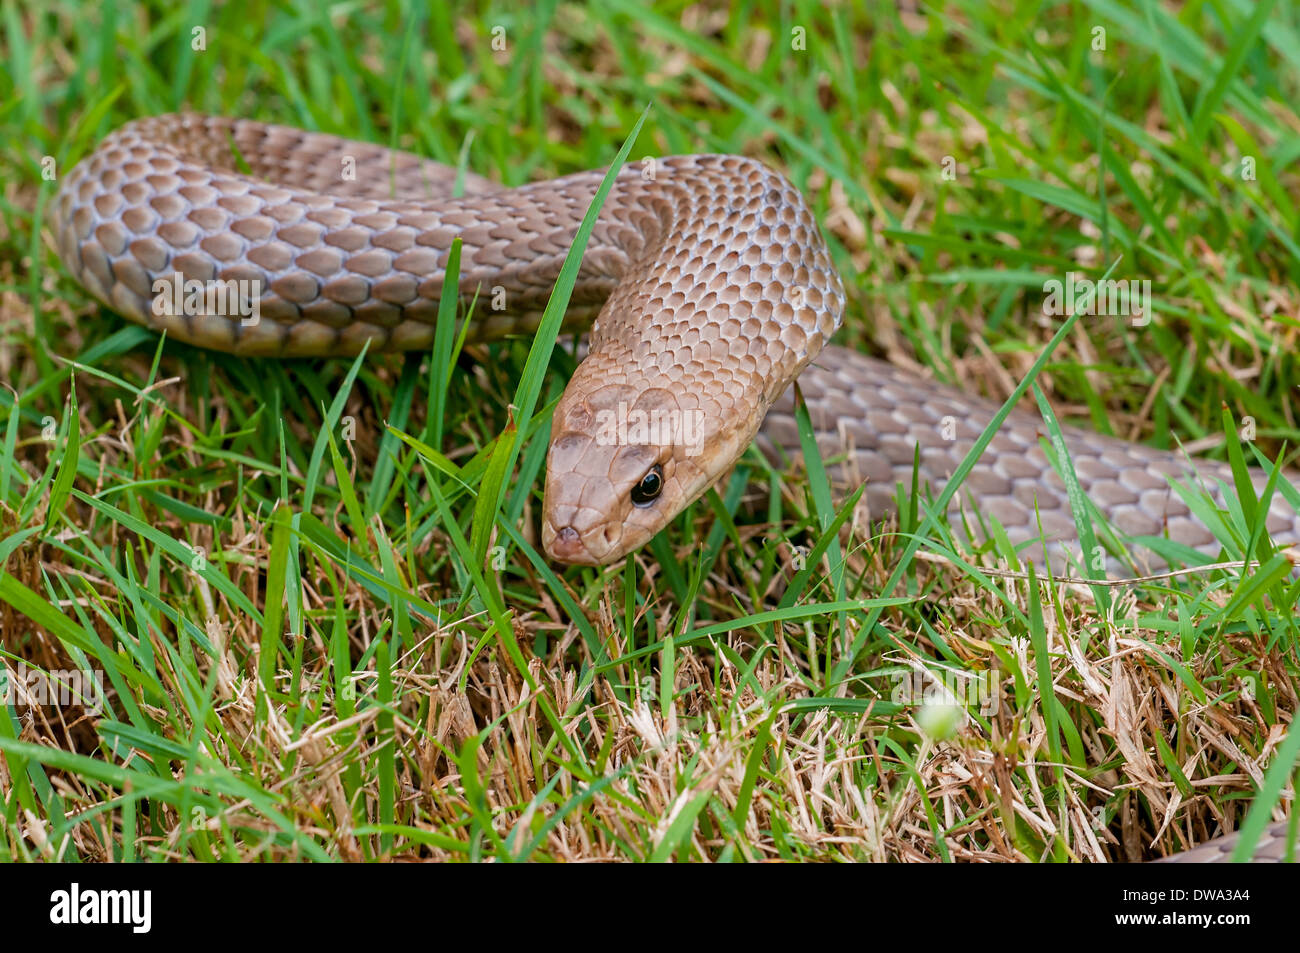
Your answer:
<point x="611" y="535"/>
<point x="567" y="545"/>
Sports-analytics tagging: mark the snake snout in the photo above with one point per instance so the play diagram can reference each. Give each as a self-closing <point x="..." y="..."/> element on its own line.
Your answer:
<point x="567" y="546"/>
<point x="578" y="536"/>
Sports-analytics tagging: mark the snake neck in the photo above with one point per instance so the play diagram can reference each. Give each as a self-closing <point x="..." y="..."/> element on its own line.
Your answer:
<point x="726" y="293"/>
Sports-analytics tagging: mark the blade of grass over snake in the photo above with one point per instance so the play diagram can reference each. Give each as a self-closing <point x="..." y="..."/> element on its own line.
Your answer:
<point x="1094" y="566"/>
<point x="492" y="490"/>
<point x="1258" y="543"/>
<point x="444" y="334"/>
<point x="1250" y="506"/>
<point x="820" y="487"/>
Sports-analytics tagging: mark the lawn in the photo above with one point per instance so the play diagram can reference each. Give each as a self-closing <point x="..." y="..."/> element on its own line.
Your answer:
<point x="319" y="610"/>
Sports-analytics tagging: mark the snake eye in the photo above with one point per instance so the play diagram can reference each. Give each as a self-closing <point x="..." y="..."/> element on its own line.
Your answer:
<point x="651" y="485"/>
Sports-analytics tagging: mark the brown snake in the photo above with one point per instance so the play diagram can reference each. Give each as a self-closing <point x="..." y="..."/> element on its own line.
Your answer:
<point x="712" y="290"/>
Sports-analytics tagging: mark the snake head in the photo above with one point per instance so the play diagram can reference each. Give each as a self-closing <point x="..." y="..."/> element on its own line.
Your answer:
<point x="623" y="461"/>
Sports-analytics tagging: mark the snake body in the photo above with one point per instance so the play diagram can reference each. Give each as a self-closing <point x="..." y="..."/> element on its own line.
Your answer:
<point x="711" y="287"/>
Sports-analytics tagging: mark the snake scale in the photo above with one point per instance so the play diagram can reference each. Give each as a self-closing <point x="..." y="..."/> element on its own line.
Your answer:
<point x="711" y="290"/>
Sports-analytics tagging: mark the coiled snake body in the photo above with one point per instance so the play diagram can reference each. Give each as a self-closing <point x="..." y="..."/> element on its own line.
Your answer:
<point x="712" y="290"/>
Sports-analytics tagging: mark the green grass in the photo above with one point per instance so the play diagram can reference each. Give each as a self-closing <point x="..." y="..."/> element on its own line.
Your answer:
<point x="314" y="588"/>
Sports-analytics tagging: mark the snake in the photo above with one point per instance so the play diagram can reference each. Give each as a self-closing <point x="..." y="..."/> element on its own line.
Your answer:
<point x="707" y="290"/>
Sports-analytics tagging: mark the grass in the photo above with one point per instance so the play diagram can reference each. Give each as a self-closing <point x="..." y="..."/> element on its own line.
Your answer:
<point x="313" y="587"/>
